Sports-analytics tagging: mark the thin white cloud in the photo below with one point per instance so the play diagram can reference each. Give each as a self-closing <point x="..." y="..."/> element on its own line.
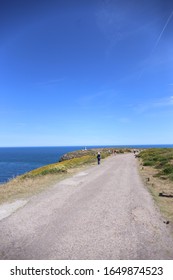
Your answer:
<point x="50" y="82"/>
<point x="125" y="120"/>
<point x="95" y="97"/>
<point x="159" y="103"/>
<point x="164" y="102"/>
<point x="20" y="124"/>
<point x="118" y="20"/>
<point x="90" y="97"/>
<point x="115" y="20"/>
<point x="164" y="57"/>
<point x="163" y="30"/>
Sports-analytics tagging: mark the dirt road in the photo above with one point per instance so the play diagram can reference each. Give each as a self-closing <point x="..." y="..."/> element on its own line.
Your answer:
<point x="103" y="212"/>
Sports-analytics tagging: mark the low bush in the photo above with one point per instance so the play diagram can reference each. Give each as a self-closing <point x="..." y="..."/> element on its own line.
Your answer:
<point x="60" y="167"/>
<point x="161" y="159"/>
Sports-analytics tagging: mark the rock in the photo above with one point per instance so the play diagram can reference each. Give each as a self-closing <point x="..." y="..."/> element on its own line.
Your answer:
<point x="166" y="194"/>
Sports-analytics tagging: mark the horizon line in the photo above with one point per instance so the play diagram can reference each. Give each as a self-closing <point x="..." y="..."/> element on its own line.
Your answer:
<point x="108" y="145"/>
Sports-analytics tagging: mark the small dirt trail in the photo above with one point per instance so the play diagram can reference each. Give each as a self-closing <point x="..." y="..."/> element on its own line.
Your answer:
<point x="102" y="212"/>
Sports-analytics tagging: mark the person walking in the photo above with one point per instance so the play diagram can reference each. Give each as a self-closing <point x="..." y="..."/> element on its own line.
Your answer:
<point x="98" y="157"/>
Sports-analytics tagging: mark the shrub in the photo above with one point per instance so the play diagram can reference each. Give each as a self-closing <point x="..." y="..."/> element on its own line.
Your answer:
<point x="148" y="163"/>
<point x="160" y="159"/>
<point x="168" y="170"/>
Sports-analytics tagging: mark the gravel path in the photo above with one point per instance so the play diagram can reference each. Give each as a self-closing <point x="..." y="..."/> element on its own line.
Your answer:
<point x="103" y="212"/>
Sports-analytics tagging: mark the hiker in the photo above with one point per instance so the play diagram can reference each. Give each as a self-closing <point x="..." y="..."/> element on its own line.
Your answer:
<point x="98" y="157"/>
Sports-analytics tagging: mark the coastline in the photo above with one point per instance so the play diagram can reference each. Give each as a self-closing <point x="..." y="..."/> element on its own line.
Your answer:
<point x="110" y="193"/>
<point x="17" y="192"/>
<point x="15" y="161"/>
<point x="44" y="177"/>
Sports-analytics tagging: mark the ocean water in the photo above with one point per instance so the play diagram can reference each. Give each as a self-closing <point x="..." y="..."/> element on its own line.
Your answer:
<point x="17" y="161"/>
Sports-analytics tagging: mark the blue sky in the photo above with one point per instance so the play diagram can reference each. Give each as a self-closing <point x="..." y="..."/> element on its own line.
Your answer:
<point x="86" y="72"/>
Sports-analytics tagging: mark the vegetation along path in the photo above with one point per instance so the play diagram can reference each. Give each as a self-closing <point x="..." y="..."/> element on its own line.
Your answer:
<point x="102" y="212"/>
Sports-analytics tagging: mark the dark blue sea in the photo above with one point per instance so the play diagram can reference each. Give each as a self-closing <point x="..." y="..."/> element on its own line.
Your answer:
<point x="17" y="161"/>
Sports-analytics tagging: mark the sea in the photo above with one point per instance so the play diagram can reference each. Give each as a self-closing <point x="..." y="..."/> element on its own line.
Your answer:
<point x="16" y="161"/>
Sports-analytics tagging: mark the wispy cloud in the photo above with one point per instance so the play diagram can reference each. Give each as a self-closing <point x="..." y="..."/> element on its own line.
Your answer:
<point x="163" y="30"/>
<point x="163" y="57"/>
<point x="125" y="120"/>
<point x="90" y="97"/>
<point x="154" y="104"/>
<point x="120" y="20"/>
<point x="115" y="20"/>
<point x="96" y="97"/>
<point x="20" y="124"/>
<point x="164" y="102"/>
<point x="50" y="82"/>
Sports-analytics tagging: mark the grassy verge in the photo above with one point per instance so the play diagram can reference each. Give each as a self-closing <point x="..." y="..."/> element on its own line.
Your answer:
<point x="22" y="188"/>
<point x="161" y="160"/>
<point x="41" y="178"/>
<point x="157" y="170"/>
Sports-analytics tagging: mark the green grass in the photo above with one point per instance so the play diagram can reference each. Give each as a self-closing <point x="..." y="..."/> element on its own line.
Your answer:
<point x="60" y="167"/>
<point x="44" y="177"/>
<point x="41" y="178"/>
<point x="72" y="160"/>
<point x="159" y="169"/>
<point x="161" y="160"/>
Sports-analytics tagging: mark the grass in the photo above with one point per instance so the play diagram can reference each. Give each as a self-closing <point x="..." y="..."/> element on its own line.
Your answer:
<point x="61" y="167"/>
<point x="41" y="178"/>
<point x="157" y="170"/>
<point x="72" y="160"/>
<point x="161" y="160"/>
<point x="20" y="188"/>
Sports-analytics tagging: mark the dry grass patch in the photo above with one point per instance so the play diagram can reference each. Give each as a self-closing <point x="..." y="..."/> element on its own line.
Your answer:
<point x="41" y="178"/>
<point x="157" y="185"/>
<point x="19" y="188"/>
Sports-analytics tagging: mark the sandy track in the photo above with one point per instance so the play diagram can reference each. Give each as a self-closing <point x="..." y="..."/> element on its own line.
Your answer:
<point x="103" y="212"/>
